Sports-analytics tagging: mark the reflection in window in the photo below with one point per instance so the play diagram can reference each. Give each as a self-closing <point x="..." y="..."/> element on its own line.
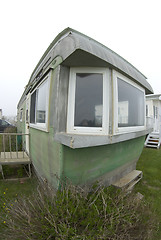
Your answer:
<point x="123" y="112"/>
<point x="155" y="112"/>
<point x="146" y="110"/>
<point x="41" y="103"/>
<point x="130" y="105"/>
<point x="32" y="107"/>
<point x="88" y="100"/>
<point x="38" y="105"/>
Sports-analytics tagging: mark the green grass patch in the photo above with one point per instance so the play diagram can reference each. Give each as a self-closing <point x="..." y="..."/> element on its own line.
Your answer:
<point x="10" y="192"/>
<point x="150" y="185"/>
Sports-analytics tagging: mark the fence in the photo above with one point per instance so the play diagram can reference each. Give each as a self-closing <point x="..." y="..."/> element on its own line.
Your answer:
<point x="13" y="150"/>
<point x="12" y="145"/>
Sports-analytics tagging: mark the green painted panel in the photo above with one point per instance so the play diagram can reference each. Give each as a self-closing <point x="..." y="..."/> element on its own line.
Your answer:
<point x="88" y="164"/>
<point x="45" y="155"/>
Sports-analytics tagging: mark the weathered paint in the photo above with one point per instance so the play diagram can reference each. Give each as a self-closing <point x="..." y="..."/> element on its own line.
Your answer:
<point x="88" y="164"/>
<point x="46" y="155"/>
<point x="54" y="161"/>
<point x="21" y="124"/>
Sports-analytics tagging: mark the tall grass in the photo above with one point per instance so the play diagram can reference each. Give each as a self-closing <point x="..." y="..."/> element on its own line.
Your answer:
<point x="72" y="213"/>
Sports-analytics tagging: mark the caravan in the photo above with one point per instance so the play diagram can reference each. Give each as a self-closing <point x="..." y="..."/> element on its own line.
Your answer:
<point x="84" y="110"/>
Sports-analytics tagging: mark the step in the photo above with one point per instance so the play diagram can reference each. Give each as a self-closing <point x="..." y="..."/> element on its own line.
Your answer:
<point x="153" y="136"/>
<point x="154" y="133"/>
<point x="153" y="146"/>
<point x="151" y="142"/>
<point x="129" y="180"/>
<point x="11" y="158"/>
<point x="153" y="139"/>
<point x="131" y="186"/>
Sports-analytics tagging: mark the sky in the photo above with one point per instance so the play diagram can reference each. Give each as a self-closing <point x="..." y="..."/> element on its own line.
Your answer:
<point x="131" y="28"/>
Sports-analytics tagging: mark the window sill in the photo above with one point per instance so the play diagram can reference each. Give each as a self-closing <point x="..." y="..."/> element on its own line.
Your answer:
<point x="44" y="129"/>
<point x="82" y="141"/>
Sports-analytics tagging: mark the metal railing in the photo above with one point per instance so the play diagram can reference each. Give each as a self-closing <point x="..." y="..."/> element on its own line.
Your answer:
<point x="12" y="144"/>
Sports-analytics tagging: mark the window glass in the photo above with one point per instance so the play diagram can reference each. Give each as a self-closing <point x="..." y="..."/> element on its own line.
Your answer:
<point x="27" y="115"/>
<point x="32" y="107"/>
<point x="146" y="110"/>
<point x="41" y="104"/>
<point x="38" y="106"/>
<point x="130" y="105"/>
<point x="21" y="114"/>
<point x="156" y="112"/>
<point x="88" y="100"/>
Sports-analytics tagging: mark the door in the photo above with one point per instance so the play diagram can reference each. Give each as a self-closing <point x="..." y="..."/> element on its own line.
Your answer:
<point x="155" y="113"/>
<point x="27" y="119"/>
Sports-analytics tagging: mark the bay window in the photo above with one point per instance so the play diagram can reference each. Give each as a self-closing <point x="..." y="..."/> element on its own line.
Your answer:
<point x="129" y="104"/>
<point x="88" y="100"/>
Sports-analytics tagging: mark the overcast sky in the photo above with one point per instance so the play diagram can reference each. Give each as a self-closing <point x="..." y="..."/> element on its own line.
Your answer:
<point x="131" y="28"/>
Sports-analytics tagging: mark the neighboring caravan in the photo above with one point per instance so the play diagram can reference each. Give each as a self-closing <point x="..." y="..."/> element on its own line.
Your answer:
<point x="153" y="110"/>
<point x="153" y="114"/>
<point x="84" y="108"/>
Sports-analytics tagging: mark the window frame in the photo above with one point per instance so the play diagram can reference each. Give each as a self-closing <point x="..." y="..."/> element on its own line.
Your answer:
<point x="71" y="102"/>
<point x="37" y="125"/>
<point x="116" y="129"/>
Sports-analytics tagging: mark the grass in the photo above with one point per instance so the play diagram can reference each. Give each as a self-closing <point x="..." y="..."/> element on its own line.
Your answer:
<point x="17" y="188"/>
<point x="30" y="211"/>
<point x="150" y="186"/>
<point x="72" y="213"/>
<point x="10" y="192"/>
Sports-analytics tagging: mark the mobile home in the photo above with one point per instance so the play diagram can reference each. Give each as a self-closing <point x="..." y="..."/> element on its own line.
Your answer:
<point x="84" y="110"/>
<point x="153" y="114"/>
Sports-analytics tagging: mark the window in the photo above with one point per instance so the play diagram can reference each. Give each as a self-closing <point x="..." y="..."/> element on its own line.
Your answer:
<point x="129" y="104"/>
<point x="39" y="105"/>
<point x="21" y="114"/>
<point x="147" y="111"/>
<point x="27" y="116"/>
<point x="155" y="112"/>
<point x="32" y="107"/>
<point x="88" y="100"/>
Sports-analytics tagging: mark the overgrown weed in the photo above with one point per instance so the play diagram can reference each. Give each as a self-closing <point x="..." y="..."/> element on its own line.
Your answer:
<point x="73" y="213"/>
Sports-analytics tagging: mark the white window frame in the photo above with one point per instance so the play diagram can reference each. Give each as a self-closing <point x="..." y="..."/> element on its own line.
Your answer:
<point x="71" y="102"/>
<point x="118" y="130"/>
<point x="42" y="126"/>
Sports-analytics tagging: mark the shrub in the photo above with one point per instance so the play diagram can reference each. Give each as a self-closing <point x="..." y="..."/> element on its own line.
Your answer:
<point x="72" y="213"/>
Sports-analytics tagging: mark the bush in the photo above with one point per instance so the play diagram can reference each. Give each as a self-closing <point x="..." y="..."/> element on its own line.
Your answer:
<point x="72" y="213"/>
